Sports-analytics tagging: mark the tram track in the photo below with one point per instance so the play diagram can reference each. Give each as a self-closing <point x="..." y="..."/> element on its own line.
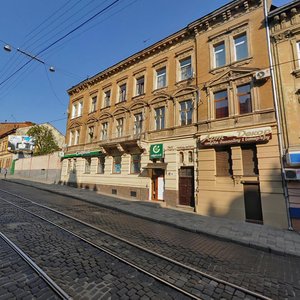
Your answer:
<point x="57" y="290"/>
<point x="184" y="278"/>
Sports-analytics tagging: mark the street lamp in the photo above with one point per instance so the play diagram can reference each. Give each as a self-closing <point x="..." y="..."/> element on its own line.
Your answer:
<point x="8" y="48"/>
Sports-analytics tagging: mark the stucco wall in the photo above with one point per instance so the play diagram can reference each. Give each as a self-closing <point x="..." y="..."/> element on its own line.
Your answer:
<point x="44" y="168"/>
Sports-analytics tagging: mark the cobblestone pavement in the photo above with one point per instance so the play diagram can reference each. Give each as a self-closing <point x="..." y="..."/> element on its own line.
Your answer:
<point x="81" y="270"/>
<point x="276" y="276"/>
<point x="18" y="280"/>
<point x="253" y="235"/>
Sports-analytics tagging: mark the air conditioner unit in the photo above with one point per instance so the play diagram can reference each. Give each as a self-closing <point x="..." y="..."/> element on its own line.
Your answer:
<point x="293" y="158"/>
<point x="262" y="74"/>
<point x="292" y="174"/>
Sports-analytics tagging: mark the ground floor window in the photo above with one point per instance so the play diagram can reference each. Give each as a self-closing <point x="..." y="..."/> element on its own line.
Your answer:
<point x="135" y="164"/>
<point x="101" y="164"/>
<point x="87" y="168"/>
<point x="117" y="164"/>
<point x="223" y="162"/>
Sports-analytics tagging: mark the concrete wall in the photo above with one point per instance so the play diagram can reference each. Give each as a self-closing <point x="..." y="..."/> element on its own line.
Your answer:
<point x="45" y="168"/>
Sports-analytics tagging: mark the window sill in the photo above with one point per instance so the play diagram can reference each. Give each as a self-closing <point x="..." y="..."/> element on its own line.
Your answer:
<point x="236" y="63"/>
<point x="104" y="108"/>
<point x="138" y="96"/>
<point x="160" y="89"/>
<point x="118" y="103"/>
<point x="185" y="81"/>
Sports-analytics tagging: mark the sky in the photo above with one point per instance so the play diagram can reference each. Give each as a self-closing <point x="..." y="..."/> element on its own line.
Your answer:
<point x="37" y="27"/>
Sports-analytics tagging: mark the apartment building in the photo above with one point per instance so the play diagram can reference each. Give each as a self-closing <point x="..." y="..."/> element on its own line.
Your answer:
<point x="285" y="40"/>
<point x="187" y="121"/>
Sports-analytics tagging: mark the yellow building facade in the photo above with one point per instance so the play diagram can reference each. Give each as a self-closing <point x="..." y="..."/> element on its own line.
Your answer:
<point x="187" y="121"/>
<point x="285" y="40"/>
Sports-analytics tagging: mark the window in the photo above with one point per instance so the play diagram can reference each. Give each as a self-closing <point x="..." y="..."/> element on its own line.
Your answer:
<point x="181" y="157"/>
<point x="223" y="162"/>
<point x="244" y="98"/>
<point x="160" y="118"/>
<point x="219" y="55"/>
<point x="77" y="135"/>
<point x="250" y="162"/>
<point x="161" y="78"/>
<point x="69" y="166"/>
<point x="104" y="131"/>
<point x="190" y="157"/>
<point x="122" y="92"/>
<point x="135" y="167"/>
<point x="106" y="99"/>
<point x="71" y="137"/>
<point x="140" y="86"/>
<point x="80" y="108"/>
<point x="138" y="123"/>
<point x="101" y="164"/>
<point x="186" y="112"/>
<point x="185" y="68"/>
<point x="221" y="104"/>
<point x="90" y="134"/>
<point x="298" y="52"/>
<point x="119" y="127"/>
<point x="240" y="47"/>
<point x="74" y="110"/>
<point x="117" y="164"/>
<point x="87" y="168"/>
<point x="74" y="165"/>
<point x="93" y="104"/>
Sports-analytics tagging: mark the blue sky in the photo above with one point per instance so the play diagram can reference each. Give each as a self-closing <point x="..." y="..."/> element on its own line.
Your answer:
<point x="37" y="95"/>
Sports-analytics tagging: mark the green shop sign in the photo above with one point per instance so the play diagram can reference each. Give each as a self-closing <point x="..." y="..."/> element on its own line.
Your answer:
<point x="156" y="151"/>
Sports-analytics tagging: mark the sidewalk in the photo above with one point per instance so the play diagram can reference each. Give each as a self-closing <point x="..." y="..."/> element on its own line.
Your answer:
<point x="262" y="237"/>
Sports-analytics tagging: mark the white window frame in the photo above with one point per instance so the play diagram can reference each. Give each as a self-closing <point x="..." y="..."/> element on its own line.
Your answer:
<point x="106" y="98"/>
<point x="138" y="123"/>
<point x="77" y="136"/>
<point x="215" y="52"/>
<point x="133" y="161"/>
<point x="161" y="77"/>
<point x="122" y="92"/>
<point x="71" y="136"/>
<point x="160" y="118"/>
<point x="237" y="44"/>
<point x="119" y="127"/>
<point x="93" y="104"/>
<point x="186" y="111"/>
<point x="104" y="131"/>
<point x="80" y="108"/>
<point x="185" y="68"/>
<point x="138" y="85"/>
<point x="74" y="110"/>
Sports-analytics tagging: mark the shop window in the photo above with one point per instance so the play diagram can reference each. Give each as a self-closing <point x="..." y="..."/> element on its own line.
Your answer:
<point x="244" y="98"/>
<point x="181" y="157"/>
<point x="221" y="104"/>
<point x="69" y="166"/>
<point x="117" y="164"/>
<point x="186" y="112"/>
<point x="160" y="118"/>
<point x="250" y="162"/>
<point x="190" y="156"/>
<point x="223" y="162"/>
<point x="101" y="165"/>
<point x="135" y="164"/>
<point x="74" y="165"/>
<point x="87" y="168"/>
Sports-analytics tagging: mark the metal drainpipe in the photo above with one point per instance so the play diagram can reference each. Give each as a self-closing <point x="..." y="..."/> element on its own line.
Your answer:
<point x="286" y="195"/>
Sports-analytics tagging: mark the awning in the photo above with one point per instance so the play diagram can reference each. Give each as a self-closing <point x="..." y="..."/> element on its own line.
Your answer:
<point x="83" y="154"/>
<point x="156" y="166"/>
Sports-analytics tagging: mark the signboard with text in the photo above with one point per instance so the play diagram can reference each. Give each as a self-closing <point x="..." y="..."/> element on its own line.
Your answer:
<point x="156" y="151"/>
<point x="255" y="135"/>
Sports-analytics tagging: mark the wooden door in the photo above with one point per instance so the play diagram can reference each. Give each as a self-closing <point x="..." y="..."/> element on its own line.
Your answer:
<point x="186" y="186"/>
<point x="253" y="210"/>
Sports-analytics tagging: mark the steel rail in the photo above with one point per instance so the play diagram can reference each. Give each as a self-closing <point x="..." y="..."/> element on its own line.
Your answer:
<point x="103" y="249"/>
<point x="54" y="286"/>
<point x="211" y="277"/>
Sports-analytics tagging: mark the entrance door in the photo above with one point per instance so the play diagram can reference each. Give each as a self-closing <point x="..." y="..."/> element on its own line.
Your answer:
<point x="158" y="185"/>
<point x="252" y="200"/>
<point x="186" y="186"/>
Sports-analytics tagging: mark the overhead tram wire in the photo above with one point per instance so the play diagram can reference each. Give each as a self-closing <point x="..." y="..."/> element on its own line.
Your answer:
<point x="61" y="38"/>
<point x="59" y="25"/>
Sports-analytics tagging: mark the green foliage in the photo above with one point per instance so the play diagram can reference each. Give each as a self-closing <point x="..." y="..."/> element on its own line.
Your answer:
<point x="43" y="139"/>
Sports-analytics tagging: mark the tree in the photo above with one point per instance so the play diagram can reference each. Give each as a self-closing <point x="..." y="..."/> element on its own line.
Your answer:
<point x="43" y="139"/>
